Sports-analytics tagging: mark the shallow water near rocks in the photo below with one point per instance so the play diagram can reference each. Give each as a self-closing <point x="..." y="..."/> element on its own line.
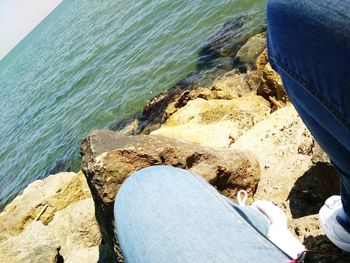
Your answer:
<point x="91" y="64"/>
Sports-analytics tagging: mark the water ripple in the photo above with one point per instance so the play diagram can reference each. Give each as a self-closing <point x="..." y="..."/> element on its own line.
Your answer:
<point x="90" y="64"/>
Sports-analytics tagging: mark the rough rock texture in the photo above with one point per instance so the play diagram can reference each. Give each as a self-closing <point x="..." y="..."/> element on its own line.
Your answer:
<point x="86" y="255"/>
<point x="228" y="86"/>
<point x="76" y="228"/>
<point x="275" y="141"/>
<point x="294" y="171"/>
<point x="200" y="120"/>
<point x="109" y="158"/>
<point x="100" y="254"/>
<point x="44" y="198"/>
<point x="34" y="245"/>
<point x="272" y="85"/>
<point x="51" y="221"/>
<point x="234" y="84"/>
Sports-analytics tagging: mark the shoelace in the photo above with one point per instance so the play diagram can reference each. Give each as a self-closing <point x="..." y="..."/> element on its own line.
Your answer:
<point x="241" y="201"/>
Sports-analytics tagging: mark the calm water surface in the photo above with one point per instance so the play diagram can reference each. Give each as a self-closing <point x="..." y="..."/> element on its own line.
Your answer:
<point x="90" y="64"/>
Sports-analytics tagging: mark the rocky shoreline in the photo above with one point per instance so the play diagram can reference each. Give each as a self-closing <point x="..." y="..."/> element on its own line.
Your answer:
<point x="238" y="132"/>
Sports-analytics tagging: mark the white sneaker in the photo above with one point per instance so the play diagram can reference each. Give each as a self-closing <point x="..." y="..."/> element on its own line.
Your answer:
<point x="278" y="228"/>
<point x="329" y="212"/>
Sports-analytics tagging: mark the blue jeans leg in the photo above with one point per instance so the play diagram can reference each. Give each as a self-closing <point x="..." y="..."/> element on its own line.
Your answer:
<point x="166" y="214"/>
<point x="309" y="45"/>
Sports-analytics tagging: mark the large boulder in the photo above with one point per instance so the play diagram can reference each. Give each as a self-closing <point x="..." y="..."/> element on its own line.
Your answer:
<point x="294" y="169"/>
<point x="34" y="245"/>
<point x="76" y="228"/>
<point x="283" y="146"/>
<point x="51" y="221"/>
<point x="109" y="158"/>
<point x="41" y="200"/>
<point x="215" y="122"/>
<point x="229" y="86"/>
<point x="234" y="84"/>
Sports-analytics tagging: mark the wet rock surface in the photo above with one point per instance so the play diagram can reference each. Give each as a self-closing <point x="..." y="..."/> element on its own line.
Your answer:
<point x="226" y="43"/>
<point x="216" y="58"/>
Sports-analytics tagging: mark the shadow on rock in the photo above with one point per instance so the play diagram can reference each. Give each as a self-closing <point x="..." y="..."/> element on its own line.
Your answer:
<point x="105" y="254"/>
<point x="321" y="250"/>
<point x="312" y="189"/>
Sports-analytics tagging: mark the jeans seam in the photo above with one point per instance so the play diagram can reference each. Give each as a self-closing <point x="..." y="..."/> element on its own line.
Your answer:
<point x="333" y="111"/>
<point x="232" y="212"/>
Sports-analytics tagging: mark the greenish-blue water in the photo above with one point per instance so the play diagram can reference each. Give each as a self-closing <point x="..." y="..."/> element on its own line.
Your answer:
<point x="90" y="64"/>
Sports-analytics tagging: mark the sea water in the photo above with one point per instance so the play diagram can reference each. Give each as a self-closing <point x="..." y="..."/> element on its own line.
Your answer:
<point x="90" y="64"/>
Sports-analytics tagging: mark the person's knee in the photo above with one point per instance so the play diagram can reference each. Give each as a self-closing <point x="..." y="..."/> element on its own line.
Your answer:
<point x="283" y="15"/>
<point x="308" y="20"/>
<point x="147" y="182"/>
<point x="290" y="8"/>
<point x="152" y="175"/>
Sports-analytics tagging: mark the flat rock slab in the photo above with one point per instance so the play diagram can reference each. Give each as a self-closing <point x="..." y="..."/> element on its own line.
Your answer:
<point x="215" y="122"/>
<point x="109" y="158"/>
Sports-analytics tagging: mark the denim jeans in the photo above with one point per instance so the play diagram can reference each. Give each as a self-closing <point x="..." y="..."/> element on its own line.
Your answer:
<point x="165" y="214"/>
<point x="309" y="45"/>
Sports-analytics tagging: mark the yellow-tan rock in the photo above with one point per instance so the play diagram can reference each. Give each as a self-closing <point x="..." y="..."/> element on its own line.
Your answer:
<point x="90" y="255"/>
<point x="294" y="170"/>
<point x="271" y="85"/>
<point x="41" y="200"/>
<point x="34" y="245"/>
<point x="215" y="123"/>
<point x="86" y="255"/>
<point x="75" y="227"/>
<point x="229" y="86"/>
<point x="275" y="142"/>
